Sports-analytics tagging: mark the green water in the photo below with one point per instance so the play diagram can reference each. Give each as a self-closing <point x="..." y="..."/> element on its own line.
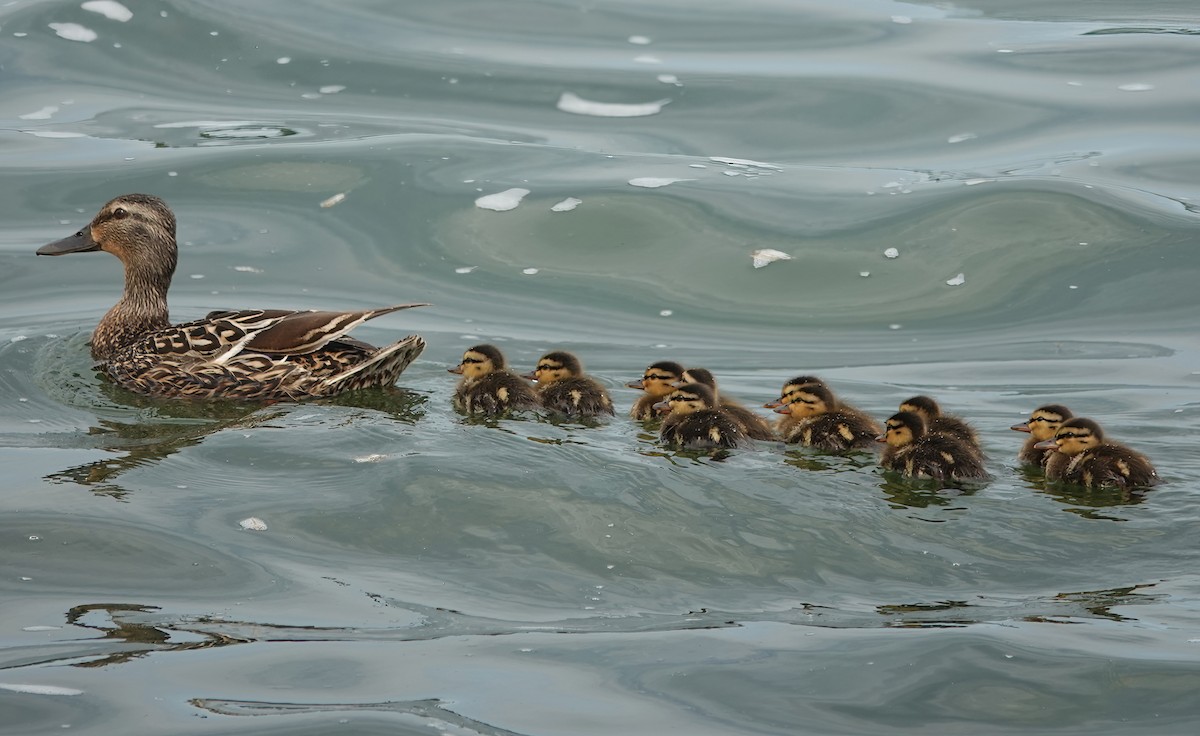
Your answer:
<point x="422" y="573"/>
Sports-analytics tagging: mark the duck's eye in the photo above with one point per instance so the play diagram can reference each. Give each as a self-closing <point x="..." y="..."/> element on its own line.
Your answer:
<point x="120" y="213"/>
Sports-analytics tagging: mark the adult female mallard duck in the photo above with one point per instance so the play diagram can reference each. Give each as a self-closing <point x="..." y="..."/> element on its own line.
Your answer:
<point x="564" y="388"/>
<point x="258" y="354"/>
<point x="488" y="387"/>
<point x="1043" y="422"/>
<point x="1080" y="454"/>
<point x="917" y="453"/>
<point x="936" y="421"/>
<point x="755" y="427"/>
<point x="694" y="421"/>
<point x="816" y="419"/>
<point x="657" y="381"/>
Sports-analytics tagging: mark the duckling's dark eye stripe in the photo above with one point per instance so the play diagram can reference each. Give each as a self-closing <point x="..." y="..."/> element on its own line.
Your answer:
<point x="472" y="360"/>
<point x="650" y="377"/>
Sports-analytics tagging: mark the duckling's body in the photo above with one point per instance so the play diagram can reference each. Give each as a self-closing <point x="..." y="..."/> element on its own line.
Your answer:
<point x="694" y="421"/>
<point x="488" y="388"/>
<point x="564" y="388"/>
<point x="814" y="418"/>
<point x="754" y="426"/>
<point x="917" y="453"/>
<point x="1079" y="454"/>
<point x="1043" y="422"/>
<point x="263" y="354"/>
<point x="936" y="421"/>
<point x="657" y="381"/>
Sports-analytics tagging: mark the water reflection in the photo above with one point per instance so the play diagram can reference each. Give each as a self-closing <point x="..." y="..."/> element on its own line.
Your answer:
<point x="904" y="492"/>
<point x="138" y="638"/>
<point x="1081" y="500"/>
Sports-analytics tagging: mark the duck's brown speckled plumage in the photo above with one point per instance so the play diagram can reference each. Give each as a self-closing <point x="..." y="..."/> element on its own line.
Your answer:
<point x="565" y="389"/>
<point x="918" y="453"/>
<point x="248" y="355"/>
<point x="488" y="388"/>
<point x="1080" y="454"/>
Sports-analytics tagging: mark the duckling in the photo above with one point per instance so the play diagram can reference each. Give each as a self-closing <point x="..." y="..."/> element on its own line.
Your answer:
<point x="658" y="380"/>
<point x="790" y="387"/>
<point x="488" y="387"/>
<point x="1043" y="422"/>
<point x="252" y="354"/>
<point x="915" y="452"/>
<point x="1079" y="454"/>
<point x="936" y="421"/>
<point x="564" y="388"/>
<point x="694" y="421"/>
<point x="816" y="419"/>
<point x="755" y="427"/>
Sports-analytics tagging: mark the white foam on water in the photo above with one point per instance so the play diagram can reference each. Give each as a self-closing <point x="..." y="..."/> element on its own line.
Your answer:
<point x="576" y="105"/>
<point x="331" y="89"/>
<point x="960" y="137"/>
<point x="465" y="269"/>
<point x="669" y="79"/>
<point x="334" y="200"/>
<point x="958" y="280"/>
<point x="284" y="60"/>
<point x="529" y="271"/>
<point x="1135" y="87"/>
<point x="766" y="256"/>
<point x="502" y="201"/>
<point x="892" y="253"/>
<point x="639" y="40"/>
<point x="39" y="689"/>
<point x="43" y="114"/>
<point x="745" y="162"/>
<point x="109" y="9"/>
<point x="74" y="32"/>
<point x="253" y="524"/>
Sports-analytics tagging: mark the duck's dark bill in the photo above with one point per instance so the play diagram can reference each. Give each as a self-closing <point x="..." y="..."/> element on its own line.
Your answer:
<point x="80" y="242"/>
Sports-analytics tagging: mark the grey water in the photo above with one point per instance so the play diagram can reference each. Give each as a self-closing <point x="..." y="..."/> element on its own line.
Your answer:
<point x="994" y="203"/>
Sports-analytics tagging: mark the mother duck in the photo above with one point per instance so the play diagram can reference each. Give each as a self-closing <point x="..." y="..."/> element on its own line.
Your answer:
<point x="256" y="354"/>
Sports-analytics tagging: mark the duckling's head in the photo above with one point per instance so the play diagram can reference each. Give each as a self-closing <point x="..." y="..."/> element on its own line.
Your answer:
<point x="137" y="228"/>
<point x="698" y="375"/>
<point x="902" y="428"/>
<point x="555" y="366"/>
<point x="479" y="361"/>
<point x="790" y="387"/>
<point x="1044" y="421"/>
<point x="659" y="378"/>
<point x="808" y="401"/>
<point x="686" y="399"/>
<point x="1074" y="436"/>
<point x="924" y="406"/>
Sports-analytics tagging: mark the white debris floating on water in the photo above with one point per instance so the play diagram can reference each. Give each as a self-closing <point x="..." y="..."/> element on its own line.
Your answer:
<point x="370" y="458"/>
<point x="1135" y="87"/>
<point x="73" y="32"/>
<point x="958" y="280"/>
<point x="43" y="114"/>
<point x="577" y="105"/>
<point x="960" y="137"/>
<point x="639" y="40"/>
<point x="502" y="201"/>
<point x="247" y="269"/>
<point x="331" y="89"/>
<point x="745" y="162"/>
<point x="109" y="9"/>
<point x="334" y="200"/>
<point x="654" y="182"/>
<point x="892" y="253"/>
<point x="566" y="205"/>
<point x="465" y="269"/>
<point x="765" y="256"/>
<point x="669" y="79"/>
<point x="529" y="271"/>
<point x="254" y="524"/>
<point x="901" y="19"/>
<point x="665" y="313"/>
<point x="40" y="689"/>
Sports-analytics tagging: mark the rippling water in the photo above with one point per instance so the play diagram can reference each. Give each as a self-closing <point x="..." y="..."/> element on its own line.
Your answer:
<point x="1032" y="164"/>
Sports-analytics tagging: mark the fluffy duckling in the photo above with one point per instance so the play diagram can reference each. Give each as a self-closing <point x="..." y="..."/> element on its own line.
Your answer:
<point x="755" y="427"/>
<point x="695" y="422"/>
<point x="1043" y="422"/>
<point x="658" y="380"/>
<point x="816" y="419"/>
<point x="790" y="387"/>
<point x="564" y="388"/>
<point x="1080" y="454"/>
<point x="936" y="421"/>
<point x="488" y="387"/>
<point x="918" y="453"/>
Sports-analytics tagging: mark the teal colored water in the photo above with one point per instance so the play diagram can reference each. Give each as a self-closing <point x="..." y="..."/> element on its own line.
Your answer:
<point x="1032" y="164"/>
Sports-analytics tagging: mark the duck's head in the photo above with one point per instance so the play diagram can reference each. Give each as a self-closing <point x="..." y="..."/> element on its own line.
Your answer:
<point x="1044" y="421"/>
<point x="555" y="366"/>
<point x="808" y="401"/>
<point x="791" y="387"/>
<point x="902" y="428"/>
<point x="923" y="406"/>
<point x="1074" y="436"/>
<point x="698" y="375"/>
<point x="659" y="378"/>
<point x="686" y="399"/>
<point x="479" y="361"/>
<point x="137" y="228"/>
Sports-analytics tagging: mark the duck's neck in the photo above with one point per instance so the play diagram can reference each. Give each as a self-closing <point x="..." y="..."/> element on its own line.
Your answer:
<point x="141" y="309"/>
